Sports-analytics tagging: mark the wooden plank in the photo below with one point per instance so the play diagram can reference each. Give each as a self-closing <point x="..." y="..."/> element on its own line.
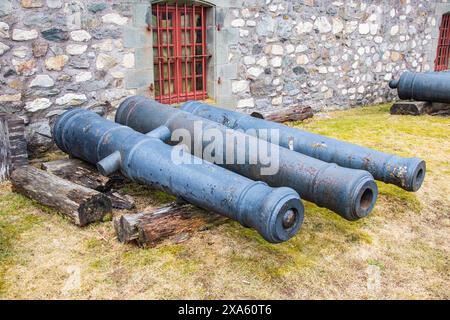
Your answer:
<point x="417" y="108"/>
<point x="414" y="108"/>
<point x="79" y="204"/>
<point x="438" y="109"/>
<point x="174" y="221"/>
<point x="13" y="145"/>
<point x="85" y="174"/>
<point x="286" y="115"/>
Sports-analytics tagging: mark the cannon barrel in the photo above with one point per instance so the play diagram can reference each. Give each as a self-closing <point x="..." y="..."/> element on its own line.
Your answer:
<point x="426" y="86"/>
<point x="407" y="173"/>
<point x="276" y="213"/>
<point x="350" y="193"/>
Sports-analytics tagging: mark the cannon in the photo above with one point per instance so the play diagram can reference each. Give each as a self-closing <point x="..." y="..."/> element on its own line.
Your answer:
<point x="426" y="86"/>
<point x="350" y="193"/>
<point x="276" y="213"/>
<point x="407" y="173"/>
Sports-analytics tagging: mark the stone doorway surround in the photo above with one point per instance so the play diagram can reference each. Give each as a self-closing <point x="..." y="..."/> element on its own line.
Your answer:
<point x="219" y="37"/>
<point x="439" y="11"/>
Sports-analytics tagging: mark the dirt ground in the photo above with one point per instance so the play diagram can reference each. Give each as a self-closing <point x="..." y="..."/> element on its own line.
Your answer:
<point x="401" y="251"/>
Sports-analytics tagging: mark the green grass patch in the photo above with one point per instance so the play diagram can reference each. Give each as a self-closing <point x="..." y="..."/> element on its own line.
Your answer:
<point x="16" y="217"/>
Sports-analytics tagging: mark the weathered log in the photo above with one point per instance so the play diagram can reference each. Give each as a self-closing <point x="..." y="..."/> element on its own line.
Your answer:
<point x="413" y="108"/>
<point x="173" y="221"/>
<point x="438" y="109"/>
<point x="85" y="174"/>
<point x="79" y="204"/>
<point x="120" y="200"/>
<point x="13" y="145"/>
<point x="286" y="115"/>
<point x="416" y="108"/>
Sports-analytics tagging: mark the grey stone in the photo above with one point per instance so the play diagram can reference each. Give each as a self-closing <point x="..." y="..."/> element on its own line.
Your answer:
<point x="54" y="4"/>
<point x="3" y="48"/>
<point x="39" y="138"/>
<point x="78" y="62"/>
<point x="73" y="87"/>
<point x="24" y="35"/>
<point x="260" y="88"/>
<point x="55" y="34"/>
<point x="288" y="100"/>
<point x="284" y="30"/>
<point x="42" y="80"/>
<point x="95" y="85"/>
<point x="38" y="104"/>
<point x="42" y="92"/>
<point x="105" y="33"/>
<point x="37" y="20"/>
<point x="76" y="49"/>
<point x="257" y="49"/>
<point x="266" y="27"/>
<point x="5" y="7"/>
<point x="262" y="104"/>
<point x="9" y="73"/>
<point x="4" y="30"/>
<point x="71" y="99"/>
<point x="97" y="7"/>
<point x="80" y="35"/>
<point x="299" y="70"/>
<point x="114" y="18"/>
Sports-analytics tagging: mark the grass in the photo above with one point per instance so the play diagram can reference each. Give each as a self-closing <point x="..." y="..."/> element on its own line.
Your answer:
<point x="400" y="251"/>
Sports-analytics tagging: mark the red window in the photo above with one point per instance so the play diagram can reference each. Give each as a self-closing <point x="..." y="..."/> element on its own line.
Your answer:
<point x="179" y="49"/>
<point x="443" y="49"/>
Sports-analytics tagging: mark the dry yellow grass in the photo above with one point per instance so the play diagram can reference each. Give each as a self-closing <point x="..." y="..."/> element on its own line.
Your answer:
<point x="400" y="251"/>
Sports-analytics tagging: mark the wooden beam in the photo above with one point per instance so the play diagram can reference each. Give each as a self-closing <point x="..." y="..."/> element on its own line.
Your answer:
<point x="416" y="108"/>
<point x="173" y="221"/>
<point x="413" y="108"/>
<point x="13" y="145"/>
<point x="85" y="174"/>
<point x="286" y="115"/>
<point x="79" y="204"/>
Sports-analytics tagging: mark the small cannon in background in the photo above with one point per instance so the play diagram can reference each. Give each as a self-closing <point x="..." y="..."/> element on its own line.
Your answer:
<point x="407" y="173"/>
<point x="422" y="93"/>
<point x="350" y="193"/>
<point x="276" y="213"/>
<point x="427" y="86"/>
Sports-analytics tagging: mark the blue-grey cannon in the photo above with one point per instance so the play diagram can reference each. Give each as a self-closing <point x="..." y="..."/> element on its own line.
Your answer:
<point x="426" y="86"/>
<point x="276" y="213"/>
<point x="407" y="173"/>
<point x="350" y="193"/>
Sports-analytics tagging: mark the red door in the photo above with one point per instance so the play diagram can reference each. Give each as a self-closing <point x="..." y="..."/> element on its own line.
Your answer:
<point x="179" y="49"/>
<point x="443" y="49"/>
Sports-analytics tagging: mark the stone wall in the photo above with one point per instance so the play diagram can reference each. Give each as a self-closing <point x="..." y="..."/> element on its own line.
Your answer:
<point x="329" y="54"/>
<point x="59" y="54"/>
<point x="265" y="54"/>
